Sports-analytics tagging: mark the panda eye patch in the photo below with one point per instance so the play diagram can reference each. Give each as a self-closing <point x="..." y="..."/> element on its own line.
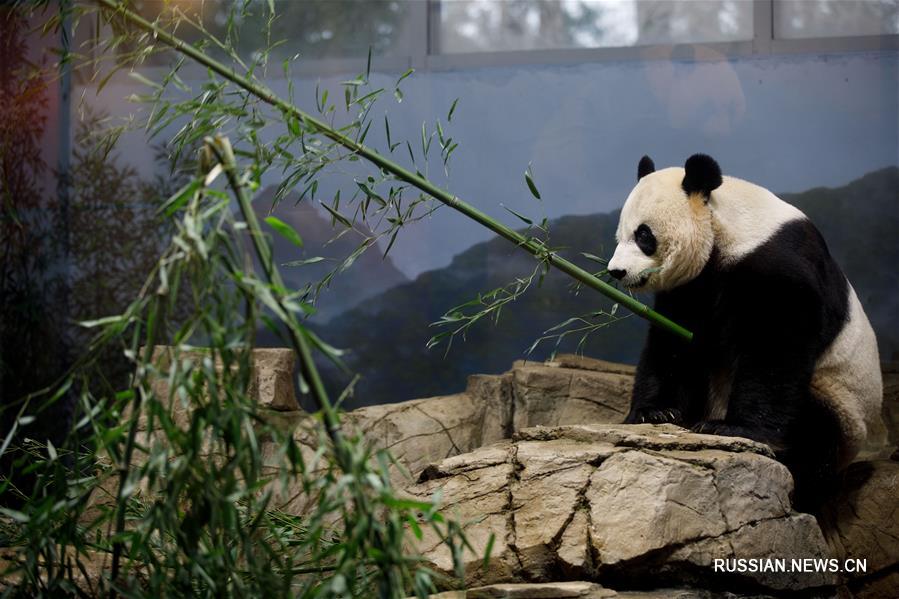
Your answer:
<point x="646" y="241"/>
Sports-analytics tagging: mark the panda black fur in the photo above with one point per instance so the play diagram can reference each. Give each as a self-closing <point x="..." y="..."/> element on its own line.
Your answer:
<point x="782" y="350"/>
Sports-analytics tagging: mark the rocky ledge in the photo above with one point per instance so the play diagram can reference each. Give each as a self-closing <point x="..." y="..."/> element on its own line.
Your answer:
<point x="625" y="506"/>
<point x="576" y="510"/>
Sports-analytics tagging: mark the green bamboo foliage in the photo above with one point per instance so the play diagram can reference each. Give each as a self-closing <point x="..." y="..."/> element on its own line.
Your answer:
<point x="301" y="120"/>
<point x="192" y="509"/>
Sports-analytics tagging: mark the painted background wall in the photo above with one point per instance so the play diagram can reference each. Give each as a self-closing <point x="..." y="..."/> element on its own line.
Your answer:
<point x="789" y="123"/>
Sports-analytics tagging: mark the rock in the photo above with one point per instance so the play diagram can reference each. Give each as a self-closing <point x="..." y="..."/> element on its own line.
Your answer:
<point x="569" y="390"/>
<point x="422" y="430"/>
<point x="584" y="363"/>
<point x="662" y="437"/>
<point x="584" y="590"/>
<point x="271" y="385"/>
<point x="544" y="590"/>
<point x="862" y="522"/>
<point x="491" y="408"/>
<point x="891" y="401"/>
<point x="620" y="503"/>
<point x="688" y="594"/>
<point x="273" y="376"/>
<point x="495" y="393"/>
<point x="552" y="394"/>
<point x="880" y="587"/>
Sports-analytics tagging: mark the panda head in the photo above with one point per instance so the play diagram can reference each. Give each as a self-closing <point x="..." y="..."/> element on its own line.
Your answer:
<point x="665" y="234"/>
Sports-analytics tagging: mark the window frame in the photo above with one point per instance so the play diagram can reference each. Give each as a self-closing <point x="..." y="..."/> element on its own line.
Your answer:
<point x="763" y="43"/>
<point x="424" y="21"/>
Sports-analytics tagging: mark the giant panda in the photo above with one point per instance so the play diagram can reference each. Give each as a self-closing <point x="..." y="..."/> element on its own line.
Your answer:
<point x="782" y="350"/>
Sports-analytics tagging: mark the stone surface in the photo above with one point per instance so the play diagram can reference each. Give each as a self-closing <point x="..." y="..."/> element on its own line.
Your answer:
<point x="583" y="590"/>
<point x="569" y="390"/>
<point x="862" y="522"/>
<point x="495" y="393"/>
<point x="543" y="590"/>
<point x="625" y="506"/>
<point x="553" y="393"/>
<point x="620" y="503"/>
<point x="274" y="371"/>
<point x="420" y="431"/>
<point x="881" y="587"/>
<point x="491" y="408"/>
<point x="271" y="386"/>
<point x="891" y="401"/>
<point x="584" y="363"/>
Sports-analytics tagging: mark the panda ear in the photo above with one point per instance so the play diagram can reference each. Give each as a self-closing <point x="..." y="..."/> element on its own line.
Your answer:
<point x="702" y="175"/>
<point x="645" y="167"/>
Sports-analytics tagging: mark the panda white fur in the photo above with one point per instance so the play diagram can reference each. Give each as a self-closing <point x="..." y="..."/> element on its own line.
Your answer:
<point x="782" y="350"/>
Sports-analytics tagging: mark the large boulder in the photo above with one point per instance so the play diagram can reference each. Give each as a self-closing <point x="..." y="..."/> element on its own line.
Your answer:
<point x="891" y="401"/>
<point x="862" y="523"/>
<point x="569" y="390"/>
<point x="582" y="590"/>
<point x="624" y="505"/>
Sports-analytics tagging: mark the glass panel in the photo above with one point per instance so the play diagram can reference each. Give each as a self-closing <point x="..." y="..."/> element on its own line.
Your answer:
<point x="583" y="128"/>
<point x="485" y="25"/>
<point x="835" y="18"/>
<point x="312" y="28"/>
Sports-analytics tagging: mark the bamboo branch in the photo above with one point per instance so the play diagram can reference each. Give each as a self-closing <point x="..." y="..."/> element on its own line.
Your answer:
<point x="221" y="148"/>
<point x="225" y="156"/>
<point x="265" y="94"/>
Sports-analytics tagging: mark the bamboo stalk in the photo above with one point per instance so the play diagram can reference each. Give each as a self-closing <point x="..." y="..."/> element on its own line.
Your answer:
<point x="267" y="95"/>
<point x="222" y="149"/>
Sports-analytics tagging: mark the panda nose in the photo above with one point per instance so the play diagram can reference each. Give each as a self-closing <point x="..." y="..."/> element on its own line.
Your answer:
<point x="618" y="273"/>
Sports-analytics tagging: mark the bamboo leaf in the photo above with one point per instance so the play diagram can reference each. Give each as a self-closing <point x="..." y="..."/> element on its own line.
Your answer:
<point x="403" y="76"/>
<point x="314" y="260"/>
<point x="101" y="322"/>
<point x="449" y="116"/>
<point x="180" y="198"/>
<point x="15" y="515"/>
<point x="369" y="96"/>
<point x="520" y="216"/>
<point x="140" y="78"/>
<point x="361" y="139"/>
<point x="529" y="179"/>
<point x="338" y="216"/>
<point x="370" y="193"/>
<point x="390" y="243"/>
<point x="285" y="230"/>
<point x="489" y="549"/>
<point x="594" y="258"/>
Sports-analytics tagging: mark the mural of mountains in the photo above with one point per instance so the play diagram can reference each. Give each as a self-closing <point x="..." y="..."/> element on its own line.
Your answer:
<point x="370" y="274"/>
<point x="386" y="335"/>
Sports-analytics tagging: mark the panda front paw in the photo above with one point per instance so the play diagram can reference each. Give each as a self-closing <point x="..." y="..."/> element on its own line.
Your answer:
<point x="654" y="416"/>
<point x="717" y="427"/>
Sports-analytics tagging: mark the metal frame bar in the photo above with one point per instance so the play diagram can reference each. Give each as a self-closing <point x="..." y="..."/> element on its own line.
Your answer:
<point x="425" y="43"/>
<point x="763" y="43"/>
<point x="425" y="53"/>
<point x="762" y="26"/>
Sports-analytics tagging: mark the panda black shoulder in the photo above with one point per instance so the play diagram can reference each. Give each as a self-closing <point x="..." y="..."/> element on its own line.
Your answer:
<point x="793" y="270"/>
